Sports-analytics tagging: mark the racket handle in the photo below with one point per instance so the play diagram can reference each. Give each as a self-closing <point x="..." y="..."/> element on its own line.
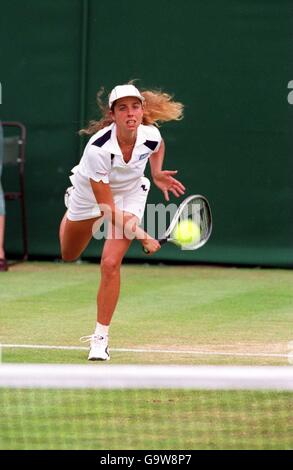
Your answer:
<point x="162" y="241"/>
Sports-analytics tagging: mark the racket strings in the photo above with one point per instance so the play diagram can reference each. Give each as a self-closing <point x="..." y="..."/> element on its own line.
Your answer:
<point x="197" y="211"/>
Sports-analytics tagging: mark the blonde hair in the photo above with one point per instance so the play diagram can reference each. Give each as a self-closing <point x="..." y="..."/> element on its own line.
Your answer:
<point x="158" y="107"/>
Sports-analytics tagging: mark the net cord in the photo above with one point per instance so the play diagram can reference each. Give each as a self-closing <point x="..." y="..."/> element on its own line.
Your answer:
<point x="101" y="376"/>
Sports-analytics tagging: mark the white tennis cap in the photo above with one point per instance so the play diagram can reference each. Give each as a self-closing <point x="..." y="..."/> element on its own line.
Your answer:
<point x="121" y="91"/>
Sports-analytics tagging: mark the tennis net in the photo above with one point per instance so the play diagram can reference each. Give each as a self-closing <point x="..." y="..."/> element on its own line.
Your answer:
<point x="101" y="406"/>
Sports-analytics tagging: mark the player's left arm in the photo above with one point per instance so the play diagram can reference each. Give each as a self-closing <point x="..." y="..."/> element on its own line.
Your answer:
<point x="163" y="179"/>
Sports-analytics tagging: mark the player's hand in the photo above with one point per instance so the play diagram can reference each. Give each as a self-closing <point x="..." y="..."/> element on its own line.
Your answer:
<point x="166" y="182"/>
<point x="150" y="245"/>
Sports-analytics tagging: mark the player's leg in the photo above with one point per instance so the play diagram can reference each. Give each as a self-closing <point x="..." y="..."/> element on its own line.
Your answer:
<point x="76" y="228"/>
<point x="133" y="206"/>
<point x="114" y="250"/>
<point x="74" y="237"/>
<point x="113" y="254"/>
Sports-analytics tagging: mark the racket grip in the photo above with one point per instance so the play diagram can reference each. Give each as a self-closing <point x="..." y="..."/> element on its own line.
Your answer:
<point x="162" y="241"/>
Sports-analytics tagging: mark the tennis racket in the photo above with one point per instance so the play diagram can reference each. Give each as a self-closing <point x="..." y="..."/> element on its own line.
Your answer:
<point x="197" y="209"/>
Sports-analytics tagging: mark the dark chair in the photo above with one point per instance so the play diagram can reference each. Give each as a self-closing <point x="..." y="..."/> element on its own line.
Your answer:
<point x="14" y="155"/>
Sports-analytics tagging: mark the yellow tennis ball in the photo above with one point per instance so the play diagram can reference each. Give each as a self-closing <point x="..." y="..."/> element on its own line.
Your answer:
<point x="187" y="232"/>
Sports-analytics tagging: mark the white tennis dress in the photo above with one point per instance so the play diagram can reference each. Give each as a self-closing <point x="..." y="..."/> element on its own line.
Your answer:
<point x="102" y="160"/>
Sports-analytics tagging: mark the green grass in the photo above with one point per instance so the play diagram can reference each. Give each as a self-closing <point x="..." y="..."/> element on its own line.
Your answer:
<point x="145" y="419"/>
<point x="161" y="307"/>
<point x="203" y="309"/>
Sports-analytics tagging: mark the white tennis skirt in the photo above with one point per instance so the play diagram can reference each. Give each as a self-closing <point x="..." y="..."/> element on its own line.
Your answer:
<point x="81" y="206"/>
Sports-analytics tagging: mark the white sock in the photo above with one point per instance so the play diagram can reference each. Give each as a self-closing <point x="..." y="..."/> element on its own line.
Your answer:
<point x="101" y="330"/>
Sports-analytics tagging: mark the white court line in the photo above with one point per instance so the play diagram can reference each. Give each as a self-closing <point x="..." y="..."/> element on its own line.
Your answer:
<point x="146" y="351"/>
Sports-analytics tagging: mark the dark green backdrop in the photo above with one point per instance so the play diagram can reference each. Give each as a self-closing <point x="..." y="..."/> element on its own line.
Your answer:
<point x="229" y="62"/>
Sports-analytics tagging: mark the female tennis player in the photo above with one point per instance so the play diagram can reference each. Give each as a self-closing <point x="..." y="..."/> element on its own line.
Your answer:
<point x="109" y="184"/>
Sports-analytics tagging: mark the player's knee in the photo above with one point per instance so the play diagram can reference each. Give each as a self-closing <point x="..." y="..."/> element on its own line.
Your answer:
<point x="110" y="265"/>
<point x="67" y="255"/>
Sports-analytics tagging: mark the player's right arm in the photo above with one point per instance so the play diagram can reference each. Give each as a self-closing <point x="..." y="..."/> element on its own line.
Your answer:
<point x="128" y="224"/>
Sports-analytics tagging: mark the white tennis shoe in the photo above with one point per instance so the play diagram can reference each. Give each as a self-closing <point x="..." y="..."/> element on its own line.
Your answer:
<point x="99" y="350"/>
